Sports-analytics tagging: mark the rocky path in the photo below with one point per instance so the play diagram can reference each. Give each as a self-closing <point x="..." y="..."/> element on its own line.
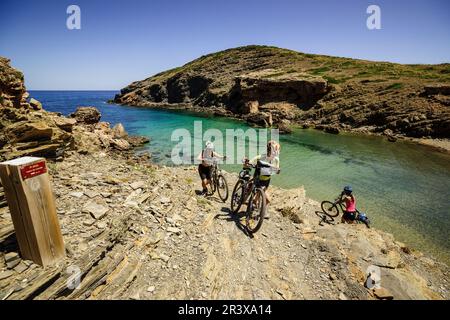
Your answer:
<point x="137" y="231"/>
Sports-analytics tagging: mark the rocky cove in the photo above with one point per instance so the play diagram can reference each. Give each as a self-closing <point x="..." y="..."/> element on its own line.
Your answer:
<point x="269" y="86"/>
<point x="137" y="230"/>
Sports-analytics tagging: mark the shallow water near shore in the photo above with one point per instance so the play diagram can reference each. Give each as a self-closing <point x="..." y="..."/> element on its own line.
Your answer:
<point x="403" y="187"/>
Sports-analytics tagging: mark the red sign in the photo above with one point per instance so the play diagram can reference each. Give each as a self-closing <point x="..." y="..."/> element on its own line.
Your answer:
<point x="33" y="170"/>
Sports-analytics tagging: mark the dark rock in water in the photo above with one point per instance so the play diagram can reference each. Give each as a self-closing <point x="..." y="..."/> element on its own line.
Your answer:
<point x="390" y="135"/>
<point x="284" y="128"/>
<point x="328" y="128"/>
<point x="262" y="119"/>
<point x="86" y="115"/>
<point x="306" y="125"/>
<point x="137" y="141"/>
<point x="392" y="139"/>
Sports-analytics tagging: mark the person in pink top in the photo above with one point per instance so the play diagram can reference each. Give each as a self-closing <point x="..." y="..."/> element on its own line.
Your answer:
<point x="350" y="205"/>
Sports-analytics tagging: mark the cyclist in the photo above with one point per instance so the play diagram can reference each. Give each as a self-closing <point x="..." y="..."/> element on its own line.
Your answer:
<point x="271" y="158"/>
<point x="207" y="157"/>
<point x="347" y="196"/>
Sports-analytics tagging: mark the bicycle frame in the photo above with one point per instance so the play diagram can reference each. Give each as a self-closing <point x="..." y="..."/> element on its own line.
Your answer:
<point x="214" y="172"/>
<point x="338" y="202"/>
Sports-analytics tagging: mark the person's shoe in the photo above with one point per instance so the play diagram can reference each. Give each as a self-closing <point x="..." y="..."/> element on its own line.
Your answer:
<point x="204" y="192"/>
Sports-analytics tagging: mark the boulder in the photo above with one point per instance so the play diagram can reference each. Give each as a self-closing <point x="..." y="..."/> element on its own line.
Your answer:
<point x="65" y="124"/>
<point x="120" y="144"/>
<point x="119" y="131"/>
<point x="251" y="107"/>
<point x="86" y="115"/>
<point x="390" y="135"/>
<point x="383" y="294"/>
<point x="137" y="141"/>
<point x="12" y="259"/>
<point x="36" y="105"/>
<point x="29" y="131"/>
<point x="138" y="185"/>
<point x="46" y="150"/>
<point x="261" y="119"/>
<point x="284" y="127"/>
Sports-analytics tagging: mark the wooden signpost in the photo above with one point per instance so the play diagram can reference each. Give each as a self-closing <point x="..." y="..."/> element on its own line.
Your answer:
<point x="32" y="205"/>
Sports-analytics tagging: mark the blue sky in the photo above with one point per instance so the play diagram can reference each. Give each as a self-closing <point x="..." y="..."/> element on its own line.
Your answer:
<point x="123" y="41"/>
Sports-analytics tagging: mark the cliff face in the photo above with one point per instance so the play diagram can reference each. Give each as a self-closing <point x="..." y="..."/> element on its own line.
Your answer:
<point x="27" y="129"/>
<point x="312" y="90"/>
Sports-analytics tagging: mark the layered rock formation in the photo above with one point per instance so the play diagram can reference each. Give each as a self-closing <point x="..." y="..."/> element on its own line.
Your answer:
<point x="137" y="231"/>
<point x="266" y="85"/>
<point x="27" y="129"/>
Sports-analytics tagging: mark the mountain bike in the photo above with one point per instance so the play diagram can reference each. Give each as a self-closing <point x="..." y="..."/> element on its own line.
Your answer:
<point x="247" y="190"/>
<point x="331" y="209"/>
<point x="218" y="182"/>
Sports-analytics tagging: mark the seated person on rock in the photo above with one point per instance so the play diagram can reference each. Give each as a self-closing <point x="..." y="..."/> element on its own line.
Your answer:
<point x="349" y="199"/>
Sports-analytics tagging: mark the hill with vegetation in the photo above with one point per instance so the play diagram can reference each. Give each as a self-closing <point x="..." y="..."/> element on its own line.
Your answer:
<point x="269" y="86"/>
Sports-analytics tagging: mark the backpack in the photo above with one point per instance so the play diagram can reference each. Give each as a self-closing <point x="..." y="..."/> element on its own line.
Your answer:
<point x="208" y="156"/>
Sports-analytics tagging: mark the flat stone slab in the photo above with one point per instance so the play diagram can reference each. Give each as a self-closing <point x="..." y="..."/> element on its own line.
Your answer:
<point x="96" y="210"/>
<point x="21" y="267"/>
<point x="383" y="294"/>
<point x="76" y="194"/>
<point x="137" y="185"/>
<point x="91" y="194"/>
<point x="12" y="264"/>
<point x="6" y="274"/>
<point x="11" y="256"/>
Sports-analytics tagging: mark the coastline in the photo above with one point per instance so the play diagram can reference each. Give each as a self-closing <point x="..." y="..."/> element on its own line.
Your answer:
<point x="436" y="144"/>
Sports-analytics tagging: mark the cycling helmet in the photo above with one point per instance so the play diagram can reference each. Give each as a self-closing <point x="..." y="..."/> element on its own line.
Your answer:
<point x="348" y="189"/>
<point x="209" y="145"/>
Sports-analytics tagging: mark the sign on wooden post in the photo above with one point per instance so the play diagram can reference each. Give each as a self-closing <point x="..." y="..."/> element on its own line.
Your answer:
<point x="32" y="205"/>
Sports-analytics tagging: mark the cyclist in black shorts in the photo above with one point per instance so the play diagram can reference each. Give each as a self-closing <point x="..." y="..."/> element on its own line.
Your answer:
<point x="204" y="168"/>
<point x="272" y="158"/>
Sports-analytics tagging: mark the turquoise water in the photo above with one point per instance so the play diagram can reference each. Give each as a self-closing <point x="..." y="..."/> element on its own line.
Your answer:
<point x="403" y="187"/>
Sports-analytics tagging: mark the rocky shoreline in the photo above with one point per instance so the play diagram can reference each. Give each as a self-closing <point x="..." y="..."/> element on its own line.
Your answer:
<point x="437" y="144"/>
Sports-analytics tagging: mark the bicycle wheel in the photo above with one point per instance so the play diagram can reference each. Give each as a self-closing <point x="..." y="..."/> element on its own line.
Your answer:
<point x="256" y="210"/>
<point x="237" y="196"/>
<point x="329" y="208"/>
<point x="222" y="188"/>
